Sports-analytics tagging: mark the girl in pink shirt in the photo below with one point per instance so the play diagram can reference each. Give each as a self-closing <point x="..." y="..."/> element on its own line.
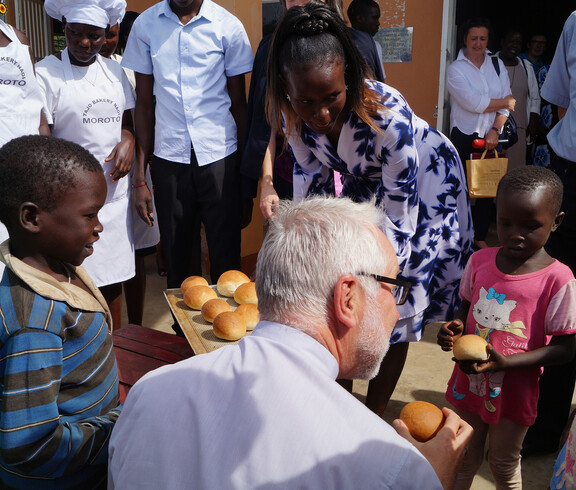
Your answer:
<point x="523" y="302"/>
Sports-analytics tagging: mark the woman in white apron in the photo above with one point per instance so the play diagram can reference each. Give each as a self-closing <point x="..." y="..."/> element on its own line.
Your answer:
<point x="21" y="98"/>
<point x="145" y="237"/>
<point x="88" y="100"/>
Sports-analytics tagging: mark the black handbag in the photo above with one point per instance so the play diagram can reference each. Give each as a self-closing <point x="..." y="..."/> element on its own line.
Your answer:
<point x="509" y="134"/>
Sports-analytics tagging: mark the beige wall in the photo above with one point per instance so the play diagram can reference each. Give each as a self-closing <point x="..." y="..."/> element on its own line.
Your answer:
<point x="417" y="80"/>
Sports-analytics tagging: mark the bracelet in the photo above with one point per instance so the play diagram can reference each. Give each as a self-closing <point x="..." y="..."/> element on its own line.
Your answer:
<point x="499" y="131"/>
<point x="138" y="185"/>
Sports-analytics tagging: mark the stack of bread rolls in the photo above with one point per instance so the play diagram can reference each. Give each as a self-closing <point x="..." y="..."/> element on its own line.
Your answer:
<point x="226" y="324"/>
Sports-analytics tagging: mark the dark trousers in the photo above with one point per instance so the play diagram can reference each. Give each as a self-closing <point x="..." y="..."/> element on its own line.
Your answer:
<point x="557" y="382"/>
<point x="483" y="209"/>
<point x="188" y="195"/>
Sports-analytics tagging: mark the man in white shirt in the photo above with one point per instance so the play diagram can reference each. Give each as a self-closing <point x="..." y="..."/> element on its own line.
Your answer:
<point x="557" y="382"/>
<point x="192" y="55"/>
<point x="267" y="412"/>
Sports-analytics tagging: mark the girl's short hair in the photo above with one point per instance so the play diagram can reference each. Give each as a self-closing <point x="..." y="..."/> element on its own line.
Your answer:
<point x="530" y="178"/>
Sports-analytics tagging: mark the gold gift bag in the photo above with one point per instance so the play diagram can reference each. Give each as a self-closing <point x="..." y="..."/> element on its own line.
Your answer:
<point x="484" y="174"/>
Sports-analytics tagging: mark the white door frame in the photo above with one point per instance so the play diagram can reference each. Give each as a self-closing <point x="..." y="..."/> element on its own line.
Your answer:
<point x="447" y="54"/>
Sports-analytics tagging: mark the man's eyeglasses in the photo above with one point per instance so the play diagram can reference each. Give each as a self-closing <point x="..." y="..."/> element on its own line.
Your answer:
<point x="401" y="289"/>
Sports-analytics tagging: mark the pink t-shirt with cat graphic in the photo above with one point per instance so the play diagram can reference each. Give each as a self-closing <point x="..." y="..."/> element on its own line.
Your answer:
<point x="515" y="314"/>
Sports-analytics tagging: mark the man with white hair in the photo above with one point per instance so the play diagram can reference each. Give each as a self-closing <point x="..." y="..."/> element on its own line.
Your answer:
<point x="268" y="412"/>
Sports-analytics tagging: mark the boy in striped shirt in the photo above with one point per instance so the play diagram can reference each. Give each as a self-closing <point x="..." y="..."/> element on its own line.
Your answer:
<point x="58" y="375"/>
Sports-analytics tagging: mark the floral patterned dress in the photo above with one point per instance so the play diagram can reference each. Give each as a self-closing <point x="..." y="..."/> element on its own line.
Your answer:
<point x="414" y="173"/>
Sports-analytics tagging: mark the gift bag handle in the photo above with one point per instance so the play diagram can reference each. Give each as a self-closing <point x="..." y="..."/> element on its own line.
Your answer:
<point x="484" y="154"/>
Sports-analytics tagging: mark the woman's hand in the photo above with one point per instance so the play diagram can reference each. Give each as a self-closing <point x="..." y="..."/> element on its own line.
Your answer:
<point x="491" y="139"/>
<point x="268" y="200"/>
<point x="449" y="333"/>
<point x="123" y="156"/>
<point x="510" y="102"/>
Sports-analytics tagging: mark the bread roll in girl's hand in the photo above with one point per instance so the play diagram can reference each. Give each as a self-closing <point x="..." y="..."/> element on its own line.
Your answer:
<point x="471" y="348"/>
<point x="423" y="420"/>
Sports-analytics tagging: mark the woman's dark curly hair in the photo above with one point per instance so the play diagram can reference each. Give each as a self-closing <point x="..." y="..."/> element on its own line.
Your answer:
<point x="316" y="35"/>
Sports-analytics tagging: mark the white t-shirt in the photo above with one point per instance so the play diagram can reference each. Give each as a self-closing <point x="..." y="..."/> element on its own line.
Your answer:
<point x="266" y="413"/>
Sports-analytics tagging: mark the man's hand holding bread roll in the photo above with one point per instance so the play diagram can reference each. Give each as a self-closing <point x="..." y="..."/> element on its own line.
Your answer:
<point x="446" y="449"/>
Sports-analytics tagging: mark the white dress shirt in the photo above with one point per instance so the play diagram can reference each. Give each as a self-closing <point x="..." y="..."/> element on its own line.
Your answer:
<point x="190" y="64"/>
<point x="560" y="89"/>
<point x="471" y="90"/>
<point x="266" y="413"/>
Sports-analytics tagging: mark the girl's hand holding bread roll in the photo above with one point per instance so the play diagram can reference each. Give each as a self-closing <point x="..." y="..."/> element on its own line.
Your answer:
<point x="449" y="333"/>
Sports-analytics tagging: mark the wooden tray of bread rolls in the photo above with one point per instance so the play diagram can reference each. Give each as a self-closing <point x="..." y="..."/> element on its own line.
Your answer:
<point x="197" y="330"/>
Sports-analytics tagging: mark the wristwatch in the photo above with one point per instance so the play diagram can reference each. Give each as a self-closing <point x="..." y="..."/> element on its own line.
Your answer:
<point x="499" y="131"/>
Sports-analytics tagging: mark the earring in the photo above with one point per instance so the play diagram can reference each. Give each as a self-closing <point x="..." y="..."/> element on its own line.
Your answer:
<point x="347" y="87"/>
<point x="288" y="97"/>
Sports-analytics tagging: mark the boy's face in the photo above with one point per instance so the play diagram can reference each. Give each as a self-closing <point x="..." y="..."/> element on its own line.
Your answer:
<point x="69" y="231"/>
<point x="524" y="222"/>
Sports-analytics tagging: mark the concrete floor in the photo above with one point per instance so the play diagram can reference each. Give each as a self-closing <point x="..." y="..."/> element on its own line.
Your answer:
<point x="425" y="376"/>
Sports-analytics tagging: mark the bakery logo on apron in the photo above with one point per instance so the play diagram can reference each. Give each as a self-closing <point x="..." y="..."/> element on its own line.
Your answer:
<point x="22" y="81"/>
<point x="87" y="119"/>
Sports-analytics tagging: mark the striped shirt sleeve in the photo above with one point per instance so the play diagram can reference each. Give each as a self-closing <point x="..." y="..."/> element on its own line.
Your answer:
<point x="36" y="439"/>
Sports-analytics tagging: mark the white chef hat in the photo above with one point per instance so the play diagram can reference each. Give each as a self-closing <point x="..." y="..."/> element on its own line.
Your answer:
<point x="99" y="13"/>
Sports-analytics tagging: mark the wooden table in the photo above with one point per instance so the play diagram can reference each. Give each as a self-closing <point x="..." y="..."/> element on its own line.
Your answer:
<point x="141" y="349"/>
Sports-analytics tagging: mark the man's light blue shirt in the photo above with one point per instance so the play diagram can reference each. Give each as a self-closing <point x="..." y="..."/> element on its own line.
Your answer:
<point x="190" y="64"/>
<point x="559" y="88"/>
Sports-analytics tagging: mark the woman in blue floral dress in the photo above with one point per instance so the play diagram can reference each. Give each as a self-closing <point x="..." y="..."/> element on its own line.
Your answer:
<point x="336" y="120"/>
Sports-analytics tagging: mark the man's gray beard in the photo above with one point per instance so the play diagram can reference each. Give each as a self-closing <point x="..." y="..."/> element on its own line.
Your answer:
<point x="372" y="342"/>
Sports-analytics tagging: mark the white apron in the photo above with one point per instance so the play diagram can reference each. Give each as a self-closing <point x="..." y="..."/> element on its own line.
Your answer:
<point x="89" y="112"/>
<point x="21" y="98"/>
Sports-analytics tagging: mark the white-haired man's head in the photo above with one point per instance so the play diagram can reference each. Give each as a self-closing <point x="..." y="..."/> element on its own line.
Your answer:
<point x="310" y="246"/>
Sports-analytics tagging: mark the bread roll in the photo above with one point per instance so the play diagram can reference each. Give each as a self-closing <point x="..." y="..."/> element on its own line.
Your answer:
<point x="250" y="313"/>
<point x="229" y="281"/>
<point x="246" y="293"/>
<point x="196" y="296"/>
<point x="213" y="307"/>
<point x="471" y="348"/>
<point x="229" y="325"/>
<point x="192" y="281"/>
<point x="423" y="420"/>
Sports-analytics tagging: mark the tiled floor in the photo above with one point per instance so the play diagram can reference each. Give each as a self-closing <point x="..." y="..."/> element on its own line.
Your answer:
<point x="424" y="378"/>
